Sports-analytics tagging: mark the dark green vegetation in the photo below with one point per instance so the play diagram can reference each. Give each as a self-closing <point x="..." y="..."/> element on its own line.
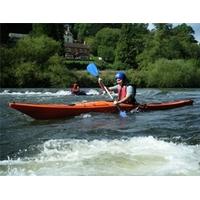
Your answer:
<point x="163" y="57"/>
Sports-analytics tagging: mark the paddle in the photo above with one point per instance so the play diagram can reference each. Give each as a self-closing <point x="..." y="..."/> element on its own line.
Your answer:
<point x="92" y="69"/>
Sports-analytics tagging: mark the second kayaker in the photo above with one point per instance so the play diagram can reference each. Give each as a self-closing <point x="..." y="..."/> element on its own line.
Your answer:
<point x="75" y="89"/>
<point x="126" y="92"/>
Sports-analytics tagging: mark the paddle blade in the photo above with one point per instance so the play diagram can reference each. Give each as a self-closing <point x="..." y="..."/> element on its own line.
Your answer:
<point x="123" y="114"/>
<point x="92" y="69"/>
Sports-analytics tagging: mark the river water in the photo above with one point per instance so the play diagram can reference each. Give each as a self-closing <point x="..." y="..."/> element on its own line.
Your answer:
<point x="145" y="143"/>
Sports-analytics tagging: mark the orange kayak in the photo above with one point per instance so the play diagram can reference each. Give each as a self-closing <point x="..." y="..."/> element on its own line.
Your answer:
<point x="57" y="111"/>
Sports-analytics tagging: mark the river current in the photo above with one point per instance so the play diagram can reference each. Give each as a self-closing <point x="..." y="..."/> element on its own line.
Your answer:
<point x="145" y="143"/>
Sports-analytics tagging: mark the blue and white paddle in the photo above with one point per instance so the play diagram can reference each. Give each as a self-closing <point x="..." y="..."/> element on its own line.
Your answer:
<point x="92" y="69"/>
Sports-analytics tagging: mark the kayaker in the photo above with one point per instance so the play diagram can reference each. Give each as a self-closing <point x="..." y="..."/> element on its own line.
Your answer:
<point x="75" y="89"/>
<point x="126" y="92"/>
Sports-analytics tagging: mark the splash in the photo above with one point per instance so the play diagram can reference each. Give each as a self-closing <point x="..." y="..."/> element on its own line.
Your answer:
<point x="44" y="93"/>
<point x="135" y="156"/>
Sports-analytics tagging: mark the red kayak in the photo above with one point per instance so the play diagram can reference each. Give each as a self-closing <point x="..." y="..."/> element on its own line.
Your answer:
<point x="57" y="111"/>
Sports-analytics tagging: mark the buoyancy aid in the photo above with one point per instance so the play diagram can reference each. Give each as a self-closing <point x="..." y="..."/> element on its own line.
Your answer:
<point x="122" y="91"/>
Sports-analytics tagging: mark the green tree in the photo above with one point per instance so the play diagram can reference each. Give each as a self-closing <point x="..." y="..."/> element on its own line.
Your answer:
<point x="56" y="73"/>
<point x="7" y="66"/>
<point x="28" y="74"/>
<point x="106" y="41"/>
<point x="170" y="43"/>
<point x="106" y="53"/>
<point x="36" y="49"/>
<point x="131" y="43"/>
<point x="28" y="64"/>
<point x="173" y="73"/>
<point x="84" y="30"/>
<point x="55" y="31"/>
<point x="108" y="37"/>
<point x="91" y="42"/>
<point x="184" y="34"/>
<point x="163" y="28"/>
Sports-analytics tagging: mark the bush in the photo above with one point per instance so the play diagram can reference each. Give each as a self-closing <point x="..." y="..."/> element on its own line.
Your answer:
<point x="75" y="64"/>
<point x="27" y="75"/>
<point x="56" y="73"/>
<point x="7" y="57"/>
<point x="107" y="53"/>
<point x="119" y="66"/>
<point x="136" y="77"/>
<point x="7" y="70"/>
<point x="173" y="73"/>
<point x="36" y="49"/>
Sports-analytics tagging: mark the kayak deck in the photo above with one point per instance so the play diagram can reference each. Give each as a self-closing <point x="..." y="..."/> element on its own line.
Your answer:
<point x="57" y="111"/>
<point x="165" y="105"/>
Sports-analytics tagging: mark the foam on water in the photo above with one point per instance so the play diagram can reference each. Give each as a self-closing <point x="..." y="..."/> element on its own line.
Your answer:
<point x="92" y="92"/>
<point x="57" y="93"/>
<point x="135" y="156"/>
<point x="45" y="93"/>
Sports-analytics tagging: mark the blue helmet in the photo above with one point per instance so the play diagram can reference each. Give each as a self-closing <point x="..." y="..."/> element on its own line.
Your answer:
<point x="120" y="75"/>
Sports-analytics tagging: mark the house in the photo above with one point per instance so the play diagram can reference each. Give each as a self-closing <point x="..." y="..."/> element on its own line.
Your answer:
<point x="74" y="50"/>
<point x="13" y="37"/>
<point x="68" y="36"/>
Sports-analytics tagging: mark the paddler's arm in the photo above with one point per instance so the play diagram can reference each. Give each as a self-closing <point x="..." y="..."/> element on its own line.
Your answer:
<point x="128" y="95"/>
<point x="102" y="85"/>
<point x="122" y="100"/>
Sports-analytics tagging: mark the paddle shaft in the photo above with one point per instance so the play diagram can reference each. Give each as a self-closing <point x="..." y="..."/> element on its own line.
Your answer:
<point x="106" y="89"/>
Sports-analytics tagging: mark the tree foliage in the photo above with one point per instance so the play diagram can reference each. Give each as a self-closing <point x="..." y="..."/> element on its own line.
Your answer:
<point x="169" y="43"/>
<point x="56" y="72"/>
<point x="27" y="74"/>
<point x="55" y="31"/>
<point x="106" y="41"/>
<point x="36" y="49"/>
<point x="84" y="30"/>
<point x="131" y="43"/>
<point x="166" y="56"/>
<point x="27" y="63"/>
<point x="173" y="73"/>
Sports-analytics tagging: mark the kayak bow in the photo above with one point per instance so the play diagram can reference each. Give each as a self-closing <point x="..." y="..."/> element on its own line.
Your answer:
<point x="57" y="111"/>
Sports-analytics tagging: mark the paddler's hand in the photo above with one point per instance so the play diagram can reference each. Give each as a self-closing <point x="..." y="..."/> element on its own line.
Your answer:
<point x="99" y="80"/>
<point x="115" y="102"/>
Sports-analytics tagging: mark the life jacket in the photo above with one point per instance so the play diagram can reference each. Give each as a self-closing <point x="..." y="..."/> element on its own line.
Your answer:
<point x="122" y="93"/>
